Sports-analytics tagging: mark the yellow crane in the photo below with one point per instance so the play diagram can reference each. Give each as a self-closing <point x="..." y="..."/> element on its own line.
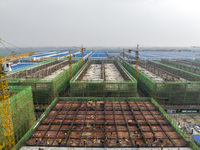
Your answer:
<point x="6" y="117"/>
<point x="161" y="50"/>
<point x="82" y="49"/>
<point x="70" y="64"/>
<point x="136" y="58"/>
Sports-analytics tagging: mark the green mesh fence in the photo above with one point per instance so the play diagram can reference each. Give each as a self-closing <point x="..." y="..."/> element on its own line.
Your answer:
<point x="173" y="123"/>
<point x="184" y="135"/>
<point x="22" y="111"/>
<point x="45" y="90"/>
<point x="103" y="88"/>
<point x="34" y="125"/>
<point x="182" y="66"/>
<point x="185" y="93"/>
<point x="178" y="72"/>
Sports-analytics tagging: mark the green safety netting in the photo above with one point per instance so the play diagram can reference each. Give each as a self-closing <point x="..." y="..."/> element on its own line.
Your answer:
<point x="166" y="92"/>
<point x="184" y="135"/>
<point x="103" y="88"/>
<point x="45" y="90"/>
<point x="176" y="71"/>
<point x="22" y="111"/>
<point x="182" y="66"/>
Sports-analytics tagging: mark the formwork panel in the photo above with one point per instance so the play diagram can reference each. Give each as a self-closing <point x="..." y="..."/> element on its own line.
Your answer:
<point x="22" y="111"/>
<point x="89" y="126"/>
<point x="45" y="90"/>
<point x="103" y="85"/>
<point x="169" y="92"/>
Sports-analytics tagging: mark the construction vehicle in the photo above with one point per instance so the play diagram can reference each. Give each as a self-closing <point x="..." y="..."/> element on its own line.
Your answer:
<point x="82" y="49"/>
<point x="160" y="50"/>
<point x="6" y="117"/>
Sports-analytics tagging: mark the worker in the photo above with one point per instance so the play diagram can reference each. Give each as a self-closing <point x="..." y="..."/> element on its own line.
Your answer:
<point x="47" y="143"/>
<point x="84" y="142"/>
<point x="137" y="134"/>
<point x="146" y="144"/>
<point x="101" y="105"/>
<point x="156" y="142"/>
<point x="36" y="141"/>
<point x="154" y="138"/>
<point x="102" y="141"/>
<point x="135" y="142"/>
<point x="132" y="134"/>
<point x="127" y="141"/>
<point x="59" y="142"/>
<point x="161" y="146"/>
<point x="94" y="141"/>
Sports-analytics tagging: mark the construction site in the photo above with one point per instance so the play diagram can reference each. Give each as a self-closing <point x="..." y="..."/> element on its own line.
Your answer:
<point x="167" y="84"/>
<point x="47" y="79"/>
<point x="106" y="78"/>
<point x="22" y="111"/>
<point x="95" y="102"/>
<point x="105" y="122"/>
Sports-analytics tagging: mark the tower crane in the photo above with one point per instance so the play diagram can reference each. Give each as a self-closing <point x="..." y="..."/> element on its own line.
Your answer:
<point x="161" y="50"/>
<point x="6" y="117"/>
<point x="136" y="58"/>
<point x="82" y="49"/>
<point x="123" y="53"/>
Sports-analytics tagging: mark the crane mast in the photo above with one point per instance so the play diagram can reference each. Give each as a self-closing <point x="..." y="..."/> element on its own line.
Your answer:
<point x="136" y="58"/>
<point x="6" y="117"/>
<point x="82" y="49"/>
<point x="160" y="50"/>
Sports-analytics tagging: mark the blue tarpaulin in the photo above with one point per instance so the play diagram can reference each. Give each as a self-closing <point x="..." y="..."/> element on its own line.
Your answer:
<point x="197" y="138"/>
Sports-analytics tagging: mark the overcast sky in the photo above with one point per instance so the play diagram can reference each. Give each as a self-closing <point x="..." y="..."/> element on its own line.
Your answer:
<point x="100" y="22"/>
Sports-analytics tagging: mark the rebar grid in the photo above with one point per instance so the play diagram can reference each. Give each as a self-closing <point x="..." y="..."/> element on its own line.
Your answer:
<point x="106" y="125"/>
<point x="160" y="125"/>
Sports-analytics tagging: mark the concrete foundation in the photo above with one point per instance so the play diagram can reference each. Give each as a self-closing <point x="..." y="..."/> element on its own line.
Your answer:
<point x="157" y="74"/>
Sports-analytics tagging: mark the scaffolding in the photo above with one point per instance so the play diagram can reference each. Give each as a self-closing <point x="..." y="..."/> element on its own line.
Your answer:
<point x="101" y="84"/>
<point x="176" y="71"/>
<point x="45" y="90"/>
<point x="181" y="65"/>
<point x="22" y="111"/>
<point x="169" y="92"/>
